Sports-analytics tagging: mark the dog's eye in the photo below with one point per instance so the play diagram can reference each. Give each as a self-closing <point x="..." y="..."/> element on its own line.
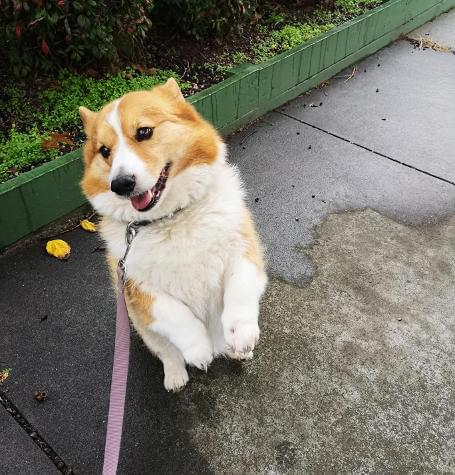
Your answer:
<point x="105" y="152"/>
<point x="143" y="133"/>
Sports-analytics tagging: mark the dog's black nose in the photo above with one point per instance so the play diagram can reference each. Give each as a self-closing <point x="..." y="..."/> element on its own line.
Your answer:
<point x="123" y="185"/>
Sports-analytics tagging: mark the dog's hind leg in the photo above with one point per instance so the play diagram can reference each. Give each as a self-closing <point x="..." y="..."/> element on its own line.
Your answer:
<point x="175" y="321"/>
<point x="175" y="374"/>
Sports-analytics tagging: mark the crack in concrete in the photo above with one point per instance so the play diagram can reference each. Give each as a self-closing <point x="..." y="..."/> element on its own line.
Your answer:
<point x="39" y="440"/>
<point x="388" y="157"/>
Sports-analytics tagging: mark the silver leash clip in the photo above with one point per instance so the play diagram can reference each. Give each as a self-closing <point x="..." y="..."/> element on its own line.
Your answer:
<point x="131" y="232"/>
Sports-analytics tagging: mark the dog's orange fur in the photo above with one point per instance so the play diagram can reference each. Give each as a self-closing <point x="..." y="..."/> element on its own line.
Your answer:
<point x="253" y="249"/>
<point x="180" y="135"/>
<point x="139" y="303"/>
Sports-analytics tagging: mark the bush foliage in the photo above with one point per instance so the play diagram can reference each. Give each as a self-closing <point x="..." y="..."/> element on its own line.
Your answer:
<point x="199" y="18"/>
<point x="41" y="35"/>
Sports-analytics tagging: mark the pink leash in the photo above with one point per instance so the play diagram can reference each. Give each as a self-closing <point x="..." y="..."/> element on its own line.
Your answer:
<point x="121" y="358"/>
<point x="119" y="380"/>
<point x="122" y="348"/>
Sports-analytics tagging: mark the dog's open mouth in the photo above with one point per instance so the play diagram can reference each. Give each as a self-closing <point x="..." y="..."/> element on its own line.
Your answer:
<point x="150" y="198"/>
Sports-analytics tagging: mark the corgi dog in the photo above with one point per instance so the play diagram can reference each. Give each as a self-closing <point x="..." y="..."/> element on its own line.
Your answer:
<point x="194" y="273"/>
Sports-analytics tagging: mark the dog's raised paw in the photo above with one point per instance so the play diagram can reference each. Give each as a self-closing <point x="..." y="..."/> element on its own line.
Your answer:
<point x="175" y="378"/>
<point x="241" y="337"/>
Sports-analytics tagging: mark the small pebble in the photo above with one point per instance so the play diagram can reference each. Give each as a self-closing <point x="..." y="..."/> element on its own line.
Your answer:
<point x="296" y="219"/>
<point x="364" y="70"/>
<point x="313" y="196"/>
<point x="400" y="319"/>
<point x="377" y="90"/>
<point x="293" y="186"/>
<point x="298" y="133"/>
<point x="40" y="395"/>
<point x="243" y="148"/>
<point x="309" y="147"/>
<point x="320" y="104"/>
<point x="383" y="119"/>
<point x="256" y="200"/>
<point x="379" y="65"/>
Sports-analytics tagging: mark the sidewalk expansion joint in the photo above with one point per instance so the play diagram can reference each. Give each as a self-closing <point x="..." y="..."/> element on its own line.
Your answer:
<point x="368" y="149"/>
<point x="39" y="440"/>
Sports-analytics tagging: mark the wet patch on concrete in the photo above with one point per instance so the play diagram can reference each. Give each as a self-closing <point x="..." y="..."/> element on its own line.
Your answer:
<point x="292" y="189"/>
<point x="355" y="370"/>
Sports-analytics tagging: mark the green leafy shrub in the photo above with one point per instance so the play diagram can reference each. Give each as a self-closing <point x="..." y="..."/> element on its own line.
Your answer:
<point x="288" y="37"/>
<point x="41" y="35"/>
<point x="21" y="151"/>
<point x="354" y="7"/>
<point x="239" y="58"/>
<point x="201" y="18"/>
<point x="59" y="105"/>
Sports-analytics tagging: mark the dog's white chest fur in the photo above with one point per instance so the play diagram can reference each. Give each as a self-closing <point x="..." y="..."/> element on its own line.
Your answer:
<point x="186" y="255"/>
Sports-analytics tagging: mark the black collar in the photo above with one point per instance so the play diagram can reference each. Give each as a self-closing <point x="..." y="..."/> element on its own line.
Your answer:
<point x="133" y="226"/>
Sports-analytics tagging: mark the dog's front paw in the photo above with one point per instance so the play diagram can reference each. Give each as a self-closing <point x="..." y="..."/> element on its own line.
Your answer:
<point x="241" y="337"/>
<point x="239" y="356"/>
<point x="199" y="355"/>
<point x="175" y="377"/>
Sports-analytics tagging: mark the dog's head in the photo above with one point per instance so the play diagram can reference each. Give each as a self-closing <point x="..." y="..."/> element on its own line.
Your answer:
<point x="146" y="152"/>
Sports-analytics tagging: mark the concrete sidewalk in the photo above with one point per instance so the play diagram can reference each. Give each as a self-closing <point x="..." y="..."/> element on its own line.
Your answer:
<point x="353" y="189"/>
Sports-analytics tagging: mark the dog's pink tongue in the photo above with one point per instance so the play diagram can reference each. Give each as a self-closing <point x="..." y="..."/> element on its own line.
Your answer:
<point x="141" y="201"/>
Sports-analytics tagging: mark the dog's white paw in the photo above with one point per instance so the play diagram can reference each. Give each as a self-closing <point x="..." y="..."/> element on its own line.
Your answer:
<point x="199" y="355"/>
<point x="239" y="356"/>
<point x="175" y="377"/>
<point x="241" y="337"/>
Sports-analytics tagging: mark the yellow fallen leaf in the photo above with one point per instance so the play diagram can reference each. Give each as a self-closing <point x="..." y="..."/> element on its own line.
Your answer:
<point x="4" y="373"/>
<point x="58" y="248"/>
<point x="87" y="225"/>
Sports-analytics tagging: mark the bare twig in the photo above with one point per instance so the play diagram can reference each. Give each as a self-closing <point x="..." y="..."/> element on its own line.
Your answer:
<point x="348" y="76"/>
<point x="425" y="42"/>
<point x="354" y="70"/>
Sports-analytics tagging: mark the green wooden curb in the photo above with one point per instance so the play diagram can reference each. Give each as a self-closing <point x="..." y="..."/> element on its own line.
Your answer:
<point x="50" y="191"/>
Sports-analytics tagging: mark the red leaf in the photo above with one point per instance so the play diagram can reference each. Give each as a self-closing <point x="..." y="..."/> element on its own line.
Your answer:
<point x="44" y="47"/>
<point x="56" y="140"/>
<point x="18" y="31"/>
<point x="139" y="68"/>
<point x="61" y="3"/>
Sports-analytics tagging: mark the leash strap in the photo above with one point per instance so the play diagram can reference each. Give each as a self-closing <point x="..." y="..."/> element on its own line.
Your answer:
<point x="119" y="380"/>
<point x="121" y="359"/>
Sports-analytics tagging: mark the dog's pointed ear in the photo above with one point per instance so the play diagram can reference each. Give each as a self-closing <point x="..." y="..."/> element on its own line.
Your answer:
<point x="174" y="89"/>
<point x="88" y="118"/>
